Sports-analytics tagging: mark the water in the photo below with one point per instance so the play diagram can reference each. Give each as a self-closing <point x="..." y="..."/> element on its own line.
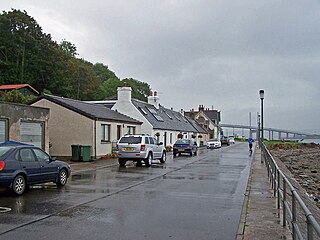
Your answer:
<point x="311" y="141"/>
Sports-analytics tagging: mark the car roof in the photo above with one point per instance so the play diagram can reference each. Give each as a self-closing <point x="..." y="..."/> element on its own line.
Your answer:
<point x="13" y="143"/>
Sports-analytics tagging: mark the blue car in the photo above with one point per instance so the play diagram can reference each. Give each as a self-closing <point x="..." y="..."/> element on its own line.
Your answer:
<point x="22" y="165"/>
<point x="185" y="146"/>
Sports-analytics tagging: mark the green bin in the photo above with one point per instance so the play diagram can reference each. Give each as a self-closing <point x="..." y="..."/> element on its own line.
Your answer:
<point x="86" y="153"/>
<point x="76" y="152"/>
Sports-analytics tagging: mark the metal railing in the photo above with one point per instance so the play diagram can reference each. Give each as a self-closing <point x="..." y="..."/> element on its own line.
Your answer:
<point x="302" y="222"/>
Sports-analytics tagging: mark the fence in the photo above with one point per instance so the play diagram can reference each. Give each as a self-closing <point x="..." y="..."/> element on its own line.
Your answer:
<point x="302" y="222"/>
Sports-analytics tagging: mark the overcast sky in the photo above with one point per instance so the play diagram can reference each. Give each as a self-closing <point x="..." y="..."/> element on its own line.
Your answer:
<point x="216" y="53"/>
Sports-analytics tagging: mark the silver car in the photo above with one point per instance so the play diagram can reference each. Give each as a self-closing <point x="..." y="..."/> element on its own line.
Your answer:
<point x="140" y="148"/>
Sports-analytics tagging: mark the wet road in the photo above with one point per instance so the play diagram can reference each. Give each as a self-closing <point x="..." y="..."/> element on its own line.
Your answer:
<point x="187" y="198"/>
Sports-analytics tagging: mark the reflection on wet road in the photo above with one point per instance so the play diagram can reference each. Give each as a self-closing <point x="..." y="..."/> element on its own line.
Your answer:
<point x="187" y="198"/>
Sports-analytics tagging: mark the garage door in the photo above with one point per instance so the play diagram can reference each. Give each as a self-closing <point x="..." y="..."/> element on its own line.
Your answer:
<point x="31" y="133"/>
<point x="3" y="130"/>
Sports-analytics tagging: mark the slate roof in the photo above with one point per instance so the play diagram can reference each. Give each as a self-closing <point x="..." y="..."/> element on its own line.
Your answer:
<point x="197" y="126"/>
<point x="90" y="110"/>
<point x="163" y="118"/>
<point x="213" y="114"/>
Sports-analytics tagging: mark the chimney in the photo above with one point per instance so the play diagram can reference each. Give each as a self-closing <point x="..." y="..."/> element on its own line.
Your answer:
<point x="201" y="108"/>
<point x="124" y="94"/>
<point x="181" y="112"/>
<point x="153" y="99"/>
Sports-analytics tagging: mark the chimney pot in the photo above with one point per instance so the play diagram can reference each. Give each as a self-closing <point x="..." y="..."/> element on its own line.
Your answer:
<point x="155" y="93"/>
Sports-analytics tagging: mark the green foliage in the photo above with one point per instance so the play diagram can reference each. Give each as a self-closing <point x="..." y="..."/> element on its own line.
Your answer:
<point x="15" y="96"/>
<point x="27" y="55"/>
<point x="140" y="90"/>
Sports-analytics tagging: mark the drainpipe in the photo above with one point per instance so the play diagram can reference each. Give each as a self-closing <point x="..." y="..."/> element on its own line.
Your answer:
<point x="95" y="139"/>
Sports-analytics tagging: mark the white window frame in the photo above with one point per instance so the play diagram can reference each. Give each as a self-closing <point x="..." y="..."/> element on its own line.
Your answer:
<point x="105" y="132"/>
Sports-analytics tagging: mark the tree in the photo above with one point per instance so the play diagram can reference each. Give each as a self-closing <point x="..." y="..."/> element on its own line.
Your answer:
<point x="69" y="48"/>
<point x="140" y="90"/>
<point x="15" y="96"/>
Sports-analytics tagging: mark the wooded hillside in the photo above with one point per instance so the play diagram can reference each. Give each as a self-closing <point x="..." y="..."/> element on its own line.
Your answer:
<point x="28" y="55"/>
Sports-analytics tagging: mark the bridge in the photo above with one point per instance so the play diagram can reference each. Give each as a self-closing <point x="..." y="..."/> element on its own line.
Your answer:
<point x="287" y="134"/>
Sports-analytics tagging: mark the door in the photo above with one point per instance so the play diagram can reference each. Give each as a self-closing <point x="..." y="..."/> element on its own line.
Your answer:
<point x="30" y="165"/>
<point x="118" y="132"/>
<point x="31" y="133"/>
<point x="49" y="169"/>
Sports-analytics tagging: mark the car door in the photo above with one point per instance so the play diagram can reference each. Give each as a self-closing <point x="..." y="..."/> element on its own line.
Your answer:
<point x="157" y="148"/>
<point x="49" y="169"/>
<point x="29" y="165"/>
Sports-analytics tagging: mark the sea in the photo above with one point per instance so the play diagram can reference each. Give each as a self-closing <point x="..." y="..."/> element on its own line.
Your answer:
<point x="316" y="140"/>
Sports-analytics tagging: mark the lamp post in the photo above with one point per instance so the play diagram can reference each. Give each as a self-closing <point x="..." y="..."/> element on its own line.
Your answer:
<point x="261" y="92"/>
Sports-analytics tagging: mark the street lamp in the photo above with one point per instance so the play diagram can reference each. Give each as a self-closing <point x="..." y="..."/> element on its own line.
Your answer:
<point x="261" y="92"/>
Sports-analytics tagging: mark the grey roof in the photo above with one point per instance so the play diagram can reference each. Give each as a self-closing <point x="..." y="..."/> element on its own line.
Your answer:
<point x="90" y="110"/>
<point x="197" y="126"/>
<point x="163" y="118"/>
<point x="213" y="114"/>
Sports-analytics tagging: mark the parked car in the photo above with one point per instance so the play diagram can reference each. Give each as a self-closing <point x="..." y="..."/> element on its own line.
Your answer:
<point x="224" y="141"/>
<point x="185" y="146"/>
<point x="22" y="165"/>
<point x="231" y="140"/>
<point x="138" y="148"/>
<point x="213" y="143"/>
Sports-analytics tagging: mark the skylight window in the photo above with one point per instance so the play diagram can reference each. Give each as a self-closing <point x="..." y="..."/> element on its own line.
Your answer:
<point x="143" y="111"/>
<point x="152" y="110"/>
<point x="158" y="118"/>
<point x="177" y="117"/>
<point x="168" y="115"/>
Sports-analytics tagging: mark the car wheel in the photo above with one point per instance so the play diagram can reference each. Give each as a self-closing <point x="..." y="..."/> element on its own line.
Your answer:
<point x="191" y="153"/>
<point x="163" y="157"/>
<point x="148" y="160"/>
<point x="19" y="185"/>
<point x="139" y="163"/>
<point x="62" y="177"/>
<point x="122" y="162"/>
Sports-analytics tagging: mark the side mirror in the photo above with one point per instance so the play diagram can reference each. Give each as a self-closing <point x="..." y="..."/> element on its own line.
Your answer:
<point x="51" y="159"/>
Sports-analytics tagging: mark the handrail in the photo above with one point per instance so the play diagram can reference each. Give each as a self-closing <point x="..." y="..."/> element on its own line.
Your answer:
<point x="278" y="179"/>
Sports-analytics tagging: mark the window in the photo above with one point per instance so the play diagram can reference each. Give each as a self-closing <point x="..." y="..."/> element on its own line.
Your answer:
<point x="118" y="131"/>
<point x="131" y="130"/>
<point x="146" y="140"/>
<point x="168" y="115"/>
<point x="105" y="133"/>
<point x="26" y="155"/>
<point x="152" y="110"/>
<point x="177" y="117"/>
<point x="130" y="139"/>
<point x="42" y="156"/>
<point x="143" y="111"/>
<point x="3" y="130"/>
<point x="151" y="140"/>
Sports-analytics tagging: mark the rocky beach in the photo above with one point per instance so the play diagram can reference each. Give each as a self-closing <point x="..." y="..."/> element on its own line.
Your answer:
<point x="301" y="163"/>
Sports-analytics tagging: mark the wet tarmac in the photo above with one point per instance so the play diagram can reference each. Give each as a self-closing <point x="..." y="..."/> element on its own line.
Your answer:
<point x="197" y="197"/>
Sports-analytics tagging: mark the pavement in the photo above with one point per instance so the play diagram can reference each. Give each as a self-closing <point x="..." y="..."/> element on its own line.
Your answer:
<point x="260" y="217"/>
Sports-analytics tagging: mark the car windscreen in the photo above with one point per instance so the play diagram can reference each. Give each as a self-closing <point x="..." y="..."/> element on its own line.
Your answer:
<point x="183" y="141"/>
<point x="213" y="140"/>
<point x="4" y="150"/>
<point x="131" y="139"/>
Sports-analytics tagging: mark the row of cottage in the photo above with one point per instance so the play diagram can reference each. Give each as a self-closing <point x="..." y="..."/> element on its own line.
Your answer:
<point x="56" y="123"/>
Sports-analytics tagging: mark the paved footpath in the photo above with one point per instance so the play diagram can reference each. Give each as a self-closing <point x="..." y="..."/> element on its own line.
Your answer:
<point x="260" y="217"/>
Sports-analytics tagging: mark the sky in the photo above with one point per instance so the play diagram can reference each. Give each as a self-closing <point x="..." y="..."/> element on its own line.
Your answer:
<point x="215" y="53"/>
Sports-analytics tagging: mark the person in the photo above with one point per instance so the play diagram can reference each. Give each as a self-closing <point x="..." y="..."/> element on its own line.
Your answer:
<point x="250" y="141"/>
